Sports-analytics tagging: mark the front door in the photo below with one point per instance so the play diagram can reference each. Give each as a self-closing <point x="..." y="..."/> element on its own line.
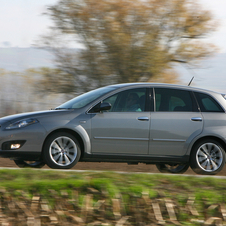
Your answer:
<point x="124" y="129"/>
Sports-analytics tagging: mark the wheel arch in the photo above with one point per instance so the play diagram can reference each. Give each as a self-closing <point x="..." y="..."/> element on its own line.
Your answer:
<point x="76" y="134"/>
<point x="221" y="141"/>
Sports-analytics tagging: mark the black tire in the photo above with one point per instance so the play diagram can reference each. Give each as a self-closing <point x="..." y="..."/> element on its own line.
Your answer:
<point x="29" y="164"/>
<point x="61" y="151"/>
<point x="207" y="157"/>
<point x="172" y="168"/>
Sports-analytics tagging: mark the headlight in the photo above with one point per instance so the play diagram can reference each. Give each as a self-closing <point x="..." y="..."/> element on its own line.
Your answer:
<point x="22" y="123"/>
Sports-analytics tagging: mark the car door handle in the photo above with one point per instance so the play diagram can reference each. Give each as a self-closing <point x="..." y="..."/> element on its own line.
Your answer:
<point x="143" y="118"/>
<point x="196" y="119"/>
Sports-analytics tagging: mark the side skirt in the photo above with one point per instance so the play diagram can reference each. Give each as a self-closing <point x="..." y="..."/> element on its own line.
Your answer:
<point x="133" y="159"/>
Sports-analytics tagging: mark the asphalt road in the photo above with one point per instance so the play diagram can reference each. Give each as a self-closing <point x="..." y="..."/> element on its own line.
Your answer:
<point x="108" y="167"/>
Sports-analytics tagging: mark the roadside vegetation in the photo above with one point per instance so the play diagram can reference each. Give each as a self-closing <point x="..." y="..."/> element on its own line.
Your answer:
<point x="44" y="197"/>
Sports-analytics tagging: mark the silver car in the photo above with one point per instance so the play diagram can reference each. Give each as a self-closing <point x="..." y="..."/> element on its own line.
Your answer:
<point x="171" y="126"/>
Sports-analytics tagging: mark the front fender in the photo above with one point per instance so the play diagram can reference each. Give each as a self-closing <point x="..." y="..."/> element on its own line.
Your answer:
<point x="85" y="138"/>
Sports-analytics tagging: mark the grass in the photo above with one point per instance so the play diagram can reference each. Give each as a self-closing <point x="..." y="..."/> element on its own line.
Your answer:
<point x="114" y="183"/>
<point x="205" y="195"/>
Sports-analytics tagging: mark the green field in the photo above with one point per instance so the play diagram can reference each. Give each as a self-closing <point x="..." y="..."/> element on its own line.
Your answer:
<point x="44" y="197"/>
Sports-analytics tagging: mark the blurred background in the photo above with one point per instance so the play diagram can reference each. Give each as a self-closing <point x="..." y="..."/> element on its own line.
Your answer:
<point x="52" y="51"/>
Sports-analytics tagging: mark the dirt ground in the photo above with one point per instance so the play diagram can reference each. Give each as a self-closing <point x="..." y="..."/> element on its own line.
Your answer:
<point x="123" y="167"/>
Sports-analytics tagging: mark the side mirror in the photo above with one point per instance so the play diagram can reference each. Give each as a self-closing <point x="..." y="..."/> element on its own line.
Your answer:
<point x="102" y="107"/>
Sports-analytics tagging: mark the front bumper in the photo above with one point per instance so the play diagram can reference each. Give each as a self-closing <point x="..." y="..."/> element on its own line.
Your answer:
<point x="33" y="135"/>
<point x="20" y="155"/>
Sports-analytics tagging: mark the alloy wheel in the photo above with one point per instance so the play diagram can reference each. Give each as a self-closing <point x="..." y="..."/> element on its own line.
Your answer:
<point x="209" y="157"/>
<point x="63" y="151"/>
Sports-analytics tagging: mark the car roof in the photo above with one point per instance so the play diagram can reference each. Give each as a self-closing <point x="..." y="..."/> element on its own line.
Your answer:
<point x="162" y="85"/>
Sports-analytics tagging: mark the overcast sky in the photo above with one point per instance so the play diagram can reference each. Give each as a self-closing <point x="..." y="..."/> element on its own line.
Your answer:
<point x="22" y="21"/>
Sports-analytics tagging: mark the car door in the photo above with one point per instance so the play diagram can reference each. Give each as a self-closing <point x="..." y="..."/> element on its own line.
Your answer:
<point x="174" y="123"/>
<point x="124" y="129"/>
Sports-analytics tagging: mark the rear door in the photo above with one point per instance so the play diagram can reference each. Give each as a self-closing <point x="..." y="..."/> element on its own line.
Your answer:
<point x="174" y="123"/>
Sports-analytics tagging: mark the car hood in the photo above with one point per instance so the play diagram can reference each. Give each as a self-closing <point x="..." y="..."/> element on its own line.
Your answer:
<point x="37" y="114"/>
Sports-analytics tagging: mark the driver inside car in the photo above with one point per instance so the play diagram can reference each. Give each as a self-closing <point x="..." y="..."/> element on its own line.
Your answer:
<point x="132" y="103"/>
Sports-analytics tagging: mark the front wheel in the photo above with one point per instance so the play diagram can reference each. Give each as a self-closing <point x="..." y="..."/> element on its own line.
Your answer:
<point x="207" y="157"/>
<point x="172" y="168"/>
<point x="30" y="164"/>
<point x="61" y="151"/>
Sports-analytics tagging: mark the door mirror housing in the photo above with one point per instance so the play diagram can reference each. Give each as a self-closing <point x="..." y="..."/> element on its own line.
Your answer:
<point x="101" y="107"/>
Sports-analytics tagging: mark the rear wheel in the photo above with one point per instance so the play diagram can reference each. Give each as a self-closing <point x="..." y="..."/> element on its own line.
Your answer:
<point x="31" y="164"/>
<point x="207" y="157"/>
<point x="61" y="151"/>
<point x="172" y="168"/>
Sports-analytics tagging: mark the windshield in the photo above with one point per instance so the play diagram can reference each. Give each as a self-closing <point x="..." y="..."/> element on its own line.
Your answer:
<point x="85" y="99"/>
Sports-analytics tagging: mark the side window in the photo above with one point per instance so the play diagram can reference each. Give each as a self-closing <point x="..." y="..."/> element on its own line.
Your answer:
<point x="111" y="100"/>
<point x="132" y="100"/>
<point x="173" y="100"/>
<point x="207" y="103"/>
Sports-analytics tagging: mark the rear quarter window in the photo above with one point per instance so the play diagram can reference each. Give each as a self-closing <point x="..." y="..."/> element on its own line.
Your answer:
<point x="208" y="103"/>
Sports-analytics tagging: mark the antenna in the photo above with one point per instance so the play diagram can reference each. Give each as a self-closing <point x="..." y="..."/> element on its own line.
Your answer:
<point x="191" y="81"/>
